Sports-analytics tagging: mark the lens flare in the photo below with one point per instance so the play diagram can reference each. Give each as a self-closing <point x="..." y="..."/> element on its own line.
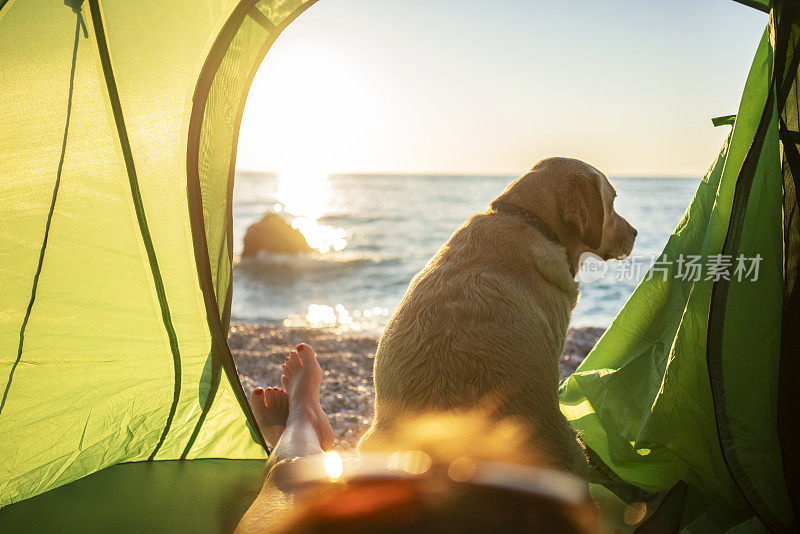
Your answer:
<point x="333" y="465"/>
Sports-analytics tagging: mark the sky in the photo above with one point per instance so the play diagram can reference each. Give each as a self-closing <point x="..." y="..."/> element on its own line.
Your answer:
<point x="469" y="87"/>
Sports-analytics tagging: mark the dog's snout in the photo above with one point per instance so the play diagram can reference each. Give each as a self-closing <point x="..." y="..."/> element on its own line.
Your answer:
<point x="635" y="231"/>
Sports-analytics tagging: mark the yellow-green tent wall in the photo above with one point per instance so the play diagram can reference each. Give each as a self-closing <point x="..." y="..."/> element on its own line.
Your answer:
<point x="118" y="130"/>
<point x="117" y="148"/>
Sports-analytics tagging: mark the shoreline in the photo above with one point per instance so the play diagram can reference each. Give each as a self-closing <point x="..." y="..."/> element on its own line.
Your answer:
<point x="347" y="394"/>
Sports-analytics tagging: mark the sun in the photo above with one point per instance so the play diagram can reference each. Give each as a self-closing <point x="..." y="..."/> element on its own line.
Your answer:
<point x="304" y="143"/>
<point x="310" y="111"/>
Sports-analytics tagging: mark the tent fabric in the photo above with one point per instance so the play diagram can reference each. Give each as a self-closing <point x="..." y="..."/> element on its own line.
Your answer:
<point x="761" y="5"/>
<point x="787" y="87"/>
<point x="683" y="387"/>
<point x="119" y="123"/>
<point x="208" y="495"/>
<point x="119" y="127"/>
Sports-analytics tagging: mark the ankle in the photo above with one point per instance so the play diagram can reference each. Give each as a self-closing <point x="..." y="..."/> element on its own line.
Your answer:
<point x="301" y="411"/>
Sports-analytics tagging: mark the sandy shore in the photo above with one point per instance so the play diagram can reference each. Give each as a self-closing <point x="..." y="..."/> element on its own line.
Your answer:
<point x="347" y="392"/>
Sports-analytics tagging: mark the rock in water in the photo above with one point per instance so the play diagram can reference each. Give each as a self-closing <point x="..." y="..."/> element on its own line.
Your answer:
<point x="274" y="235"/>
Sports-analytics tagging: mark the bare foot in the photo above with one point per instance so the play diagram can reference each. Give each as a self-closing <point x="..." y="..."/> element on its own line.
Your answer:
<point x="302" y="378"/>
<point x="271" y="408"/>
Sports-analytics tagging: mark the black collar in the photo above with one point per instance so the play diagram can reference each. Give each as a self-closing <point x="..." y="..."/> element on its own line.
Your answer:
<point x="532" y="219"/>
<point x="527" y="216"/>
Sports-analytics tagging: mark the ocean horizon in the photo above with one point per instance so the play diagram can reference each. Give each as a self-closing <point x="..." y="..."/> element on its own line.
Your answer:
<point x="371" y="233"/>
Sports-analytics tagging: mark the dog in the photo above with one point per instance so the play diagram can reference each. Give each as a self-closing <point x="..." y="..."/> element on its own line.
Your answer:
<point x="486" y="320"/>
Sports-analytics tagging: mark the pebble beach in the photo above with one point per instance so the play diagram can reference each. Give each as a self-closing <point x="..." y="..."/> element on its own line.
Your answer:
<point x="346" y="358"/>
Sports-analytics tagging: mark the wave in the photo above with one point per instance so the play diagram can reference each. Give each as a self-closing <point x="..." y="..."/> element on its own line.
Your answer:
<point x="351" y="219"/>
<point x="313" y="263"/>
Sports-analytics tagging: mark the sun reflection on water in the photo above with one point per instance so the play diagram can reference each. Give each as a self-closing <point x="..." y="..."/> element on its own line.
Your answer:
<point x="338" y="317"/>
<point x="305" y="195"/>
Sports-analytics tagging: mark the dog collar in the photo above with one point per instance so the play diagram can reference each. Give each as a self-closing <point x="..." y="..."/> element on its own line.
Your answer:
<point x="533" y="220"/>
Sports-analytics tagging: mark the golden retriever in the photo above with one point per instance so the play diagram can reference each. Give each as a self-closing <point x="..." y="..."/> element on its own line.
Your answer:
<point x="485" y="321"/>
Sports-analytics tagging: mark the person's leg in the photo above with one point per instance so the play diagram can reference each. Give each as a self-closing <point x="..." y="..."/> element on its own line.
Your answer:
<point x="307" y="432"/>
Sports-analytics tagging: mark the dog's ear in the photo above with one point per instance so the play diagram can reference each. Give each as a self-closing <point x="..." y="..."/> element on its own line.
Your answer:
<point x="582" y="209"/>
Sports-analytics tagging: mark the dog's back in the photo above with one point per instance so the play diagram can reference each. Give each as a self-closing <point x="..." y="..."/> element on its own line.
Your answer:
<point x="483" y="322"/>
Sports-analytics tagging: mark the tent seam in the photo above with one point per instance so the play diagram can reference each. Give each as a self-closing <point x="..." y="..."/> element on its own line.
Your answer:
<point x="718" y="304"/>
<point x="50" y="212"/>
<point x="262" y="19"/>
<point x="755" y="5"/>
<point x="119" y="120"/>
<point x="209" y="71"/>
<point x="220" y="352"/>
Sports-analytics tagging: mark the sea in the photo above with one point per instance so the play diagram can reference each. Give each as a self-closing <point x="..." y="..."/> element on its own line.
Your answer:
<point x="372" y="233"/>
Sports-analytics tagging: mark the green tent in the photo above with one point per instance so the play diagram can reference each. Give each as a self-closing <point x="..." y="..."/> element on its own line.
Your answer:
<point x="121" y="407"/>
<point x="117" y="148"/>
<point x="689" y="402"/>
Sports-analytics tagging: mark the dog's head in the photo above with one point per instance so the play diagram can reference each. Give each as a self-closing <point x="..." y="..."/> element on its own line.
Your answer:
<point x="577" y="202"/>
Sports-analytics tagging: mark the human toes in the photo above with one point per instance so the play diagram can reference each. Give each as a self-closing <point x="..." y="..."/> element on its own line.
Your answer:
<point x="258" y="401"/>
<point x="309" y="358"/>
<point x="276" y="399"/>
<point x="291" y="365"/>
<point x="271" y="397"/>
<point x="305" y="352"/>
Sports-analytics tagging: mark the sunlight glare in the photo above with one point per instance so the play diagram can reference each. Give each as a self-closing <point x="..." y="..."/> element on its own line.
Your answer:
<point x="338" y="317"/>
<point x="322" y="315"/>
<point x="304" y="193"/>
<point x="334" y="467"/>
